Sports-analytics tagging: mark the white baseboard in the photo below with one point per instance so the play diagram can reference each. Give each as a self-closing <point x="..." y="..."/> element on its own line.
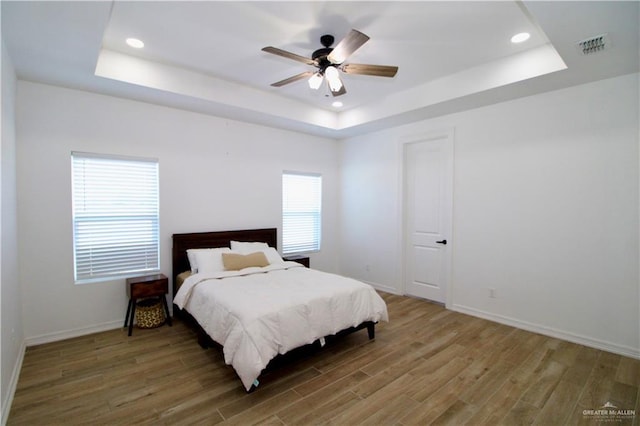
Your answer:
<point x="550" y="331"/>
<point x="384" y="288"/>
<point x="13" y="384"/>
<point x="68" y="334"/>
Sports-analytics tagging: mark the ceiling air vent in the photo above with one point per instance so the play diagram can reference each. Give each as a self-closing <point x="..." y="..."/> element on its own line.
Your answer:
<point x="593" y="44"/>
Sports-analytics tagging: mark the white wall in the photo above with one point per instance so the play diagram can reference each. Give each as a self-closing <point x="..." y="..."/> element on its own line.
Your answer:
<point x="215" y="174"/>
<point x="546" y="203"/>
<point x="545" y="211"/>
<point x="10" y="295"/>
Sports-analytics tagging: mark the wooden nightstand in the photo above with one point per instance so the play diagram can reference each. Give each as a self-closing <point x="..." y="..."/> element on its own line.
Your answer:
<point x="304" y="260"/>
<point x="142" y="287"/>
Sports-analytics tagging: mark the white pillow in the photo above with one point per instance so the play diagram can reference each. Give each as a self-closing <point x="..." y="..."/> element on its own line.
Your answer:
<point x="246" y="248"/>
<point x="206" y="260"/>
<point x="272" y="255"/>
<point x="191" y="255"/>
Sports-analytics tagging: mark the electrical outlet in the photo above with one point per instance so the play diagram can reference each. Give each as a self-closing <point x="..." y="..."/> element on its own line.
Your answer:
<point x="492" y="293"/>
<point x="367" y="267"/>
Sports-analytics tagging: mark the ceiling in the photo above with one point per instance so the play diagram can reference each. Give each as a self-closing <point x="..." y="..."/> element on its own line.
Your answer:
<point x="206" y="56"/>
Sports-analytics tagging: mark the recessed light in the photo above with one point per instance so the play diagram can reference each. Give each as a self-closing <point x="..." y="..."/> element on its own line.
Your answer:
<point x="135" y="43"/>
<point x="520" y="37"/>
<point x="337" y="104"/>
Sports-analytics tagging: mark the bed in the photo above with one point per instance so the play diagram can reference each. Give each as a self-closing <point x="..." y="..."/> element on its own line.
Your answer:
<point x="258" y="310"/>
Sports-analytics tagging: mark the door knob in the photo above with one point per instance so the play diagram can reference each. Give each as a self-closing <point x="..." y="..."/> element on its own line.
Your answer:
<point x="442" y="242"/>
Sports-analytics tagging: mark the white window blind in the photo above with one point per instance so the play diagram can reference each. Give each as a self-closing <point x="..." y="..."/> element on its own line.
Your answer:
<point x="301" y="212"/>
<point x="115" y="216"/>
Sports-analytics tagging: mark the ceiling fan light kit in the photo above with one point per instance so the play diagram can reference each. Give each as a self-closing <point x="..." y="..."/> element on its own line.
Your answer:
<point x="330" y="61"/>
<point x="316" y="81"/>
<point x="333" y="78"/>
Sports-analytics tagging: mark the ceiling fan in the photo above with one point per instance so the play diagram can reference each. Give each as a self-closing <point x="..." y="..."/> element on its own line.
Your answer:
<point x="329" y="60"/>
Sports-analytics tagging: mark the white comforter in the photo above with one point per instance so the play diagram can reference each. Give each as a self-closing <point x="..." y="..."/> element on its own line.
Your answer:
<point x="258" y="313"/>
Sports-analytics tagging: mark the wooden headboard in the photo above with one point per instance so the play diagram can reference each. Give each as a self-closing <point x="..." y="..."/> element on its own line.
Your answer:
<point x="183" y="242"/>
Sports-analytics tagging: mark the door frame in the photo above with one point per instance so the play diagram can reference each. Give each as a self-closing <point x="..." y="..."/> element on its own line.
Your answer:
<point x="449" y="134"/>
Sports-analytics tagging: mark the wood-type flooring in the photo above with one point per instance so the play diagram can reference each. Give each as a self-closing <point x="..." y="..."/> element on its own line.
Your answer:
<point x="427" y="365"/>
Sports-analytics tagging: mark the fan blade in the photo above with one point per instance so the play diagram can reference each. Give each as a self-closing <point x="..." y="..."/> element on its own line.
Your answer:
<point x="347" y="46"/>
<point x="365" y="69"/>
<point x="297" y="77"/>
<point x="289" y="55"/>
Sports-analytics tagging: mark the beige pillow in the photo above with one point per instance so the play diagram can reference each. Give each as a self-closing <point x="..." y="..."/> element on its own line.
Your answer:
<point x="236" y="261"/>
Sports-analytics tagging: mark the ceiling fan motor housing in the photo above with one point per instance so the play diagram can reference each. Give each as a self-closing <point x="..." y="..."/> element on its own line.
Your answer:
<point x="320" y="55"/>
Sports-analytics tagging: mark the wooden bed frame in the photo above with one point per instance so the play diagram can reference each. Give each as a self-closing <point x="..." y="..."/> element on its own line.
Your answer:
<point x="183" y="242"/>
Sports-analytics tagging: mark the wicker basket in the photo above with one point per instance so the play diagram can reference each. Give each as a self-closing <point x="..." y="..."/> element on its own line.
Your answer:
<point x="149" y="313"/>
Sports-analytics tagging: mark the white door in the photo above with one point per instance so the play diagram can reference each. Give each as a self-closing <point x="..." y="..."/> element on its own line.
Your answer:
<point x="428" y="180"/>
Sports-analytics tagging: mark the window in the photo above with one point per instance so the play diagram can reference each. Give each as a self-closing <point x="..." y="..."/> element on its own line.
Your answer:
<point x="115" y="217"/>
<point x="301" y="212"/>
